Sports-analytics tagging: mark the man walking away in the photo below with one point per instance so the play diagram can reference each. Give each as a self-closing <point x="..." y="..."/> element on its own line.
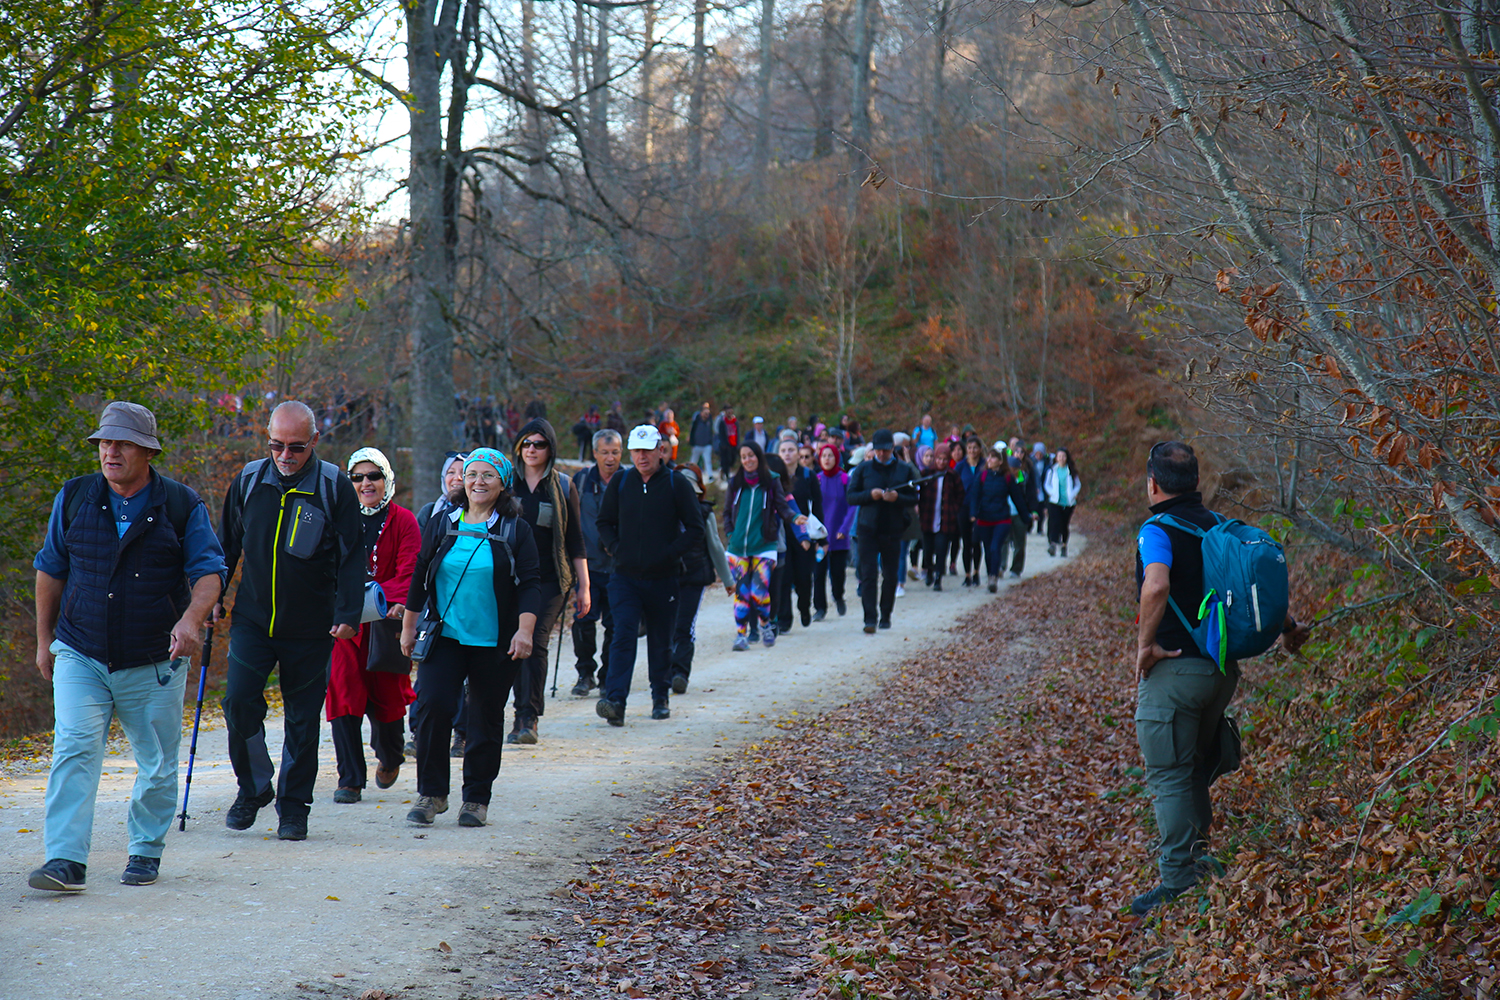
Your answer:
<point x="296" y="522"/>
<point x="129" y="570"/>
<point x="701" y="438"/>
<point x="882" y="491"/>
<point x="1181" y="693"/>
<point x="648" y="519"/>
<point x="590" y="485"/>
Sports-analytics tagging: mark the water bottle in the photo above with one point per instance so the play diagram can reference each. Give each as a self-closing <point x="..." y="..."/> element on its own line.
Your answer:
<point x="822" y="551"/>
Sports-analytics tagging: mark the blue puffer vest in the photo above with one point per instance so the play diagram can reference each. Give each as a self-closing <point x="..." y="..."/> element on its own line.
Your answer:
<point x="123" y="595"/>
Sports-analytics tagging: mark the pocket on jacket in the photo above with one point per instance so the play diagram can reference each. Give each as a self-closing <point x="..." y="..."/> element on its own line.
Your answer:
<point x="303" y="536"/>
<point x="1156" y="733"/>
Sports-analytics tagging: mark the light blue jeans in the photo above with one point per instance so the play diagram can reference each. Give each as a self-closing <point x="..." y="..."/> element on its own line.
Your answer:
<point x="85" y="695"/>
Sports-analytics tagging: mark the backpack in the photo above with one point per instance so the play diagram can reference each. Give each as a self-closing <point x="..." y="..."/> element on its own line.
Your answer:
<point x="504" y="536"/>
<point x="1246" y="593"/>
<point x="328" y="476"/>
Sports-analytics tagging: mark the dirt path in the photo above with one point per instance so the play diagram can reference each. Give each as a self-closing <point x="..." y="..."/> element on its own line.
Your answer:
<point x="368" y="902"/>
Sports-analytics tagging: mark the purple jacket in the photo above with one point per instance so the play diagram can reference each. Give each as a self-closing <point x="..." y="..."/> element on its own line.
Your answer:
<point x="838" y="516"/>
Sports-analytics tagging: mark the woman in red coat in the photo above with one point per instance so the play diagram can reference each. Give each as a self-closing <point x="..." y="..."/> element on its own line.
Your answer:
<point x="369" y="675"/>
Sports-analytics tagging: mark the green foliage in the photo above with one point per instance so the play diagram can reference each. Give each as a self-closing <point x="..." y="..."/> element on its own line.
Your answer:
<point x="1424" y="905"/>
<point x="167" y="177"/>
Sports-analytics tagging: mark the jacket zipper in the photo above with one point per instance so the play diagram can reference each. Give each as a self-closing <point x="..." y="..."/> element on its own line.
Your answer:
<point x="276" y="555"/>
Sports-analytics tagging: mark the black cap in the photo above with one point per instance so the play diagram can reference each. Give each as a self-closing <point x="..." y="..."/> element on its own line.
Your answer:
<point x="883" y="440"/>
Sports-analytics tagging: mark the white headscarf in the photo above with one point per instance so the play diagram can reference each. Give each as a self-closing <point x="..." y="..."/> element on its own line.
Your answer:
<point x="382" y="463"/>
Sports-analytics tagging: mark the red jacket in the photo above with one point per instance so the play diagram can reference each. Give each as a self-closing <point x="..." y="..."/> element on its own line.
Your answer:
<point x="395" y="558"/>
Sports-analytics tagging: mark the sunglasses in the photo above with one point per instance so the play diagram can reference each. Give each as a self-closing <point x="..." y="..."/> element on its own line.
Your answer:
<point x="277" y="447"/>
<point x="537" y="444"/>
<point x="359" y="477"/>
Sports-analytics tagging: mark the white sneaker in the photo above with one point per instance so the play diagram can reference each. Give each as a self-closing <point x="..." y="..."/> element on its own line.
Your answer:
<point x="900" y="590"/>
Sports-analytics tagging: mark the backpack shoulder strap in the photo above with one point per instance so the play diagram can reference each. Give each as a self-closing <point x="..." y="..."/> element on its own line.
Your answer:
<point x="328" y="480"/>
<point x="248" y="476"/>
<point x="181" y="502"/>
<point x="73" y="496"/>
<point x="1173" y="521"/>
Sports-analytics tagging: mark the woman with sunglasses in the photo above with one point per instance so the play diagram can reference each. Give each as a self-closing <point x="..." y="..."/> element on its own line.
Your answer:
<point x="477" y="574"/>
<point x="369" y="675"/>
<point x="550" y="505"/>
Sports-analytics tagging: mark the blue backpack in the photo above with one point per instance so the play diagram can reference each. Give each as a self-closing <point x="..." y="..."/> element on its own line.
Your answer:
<point x="1245" y="589"/>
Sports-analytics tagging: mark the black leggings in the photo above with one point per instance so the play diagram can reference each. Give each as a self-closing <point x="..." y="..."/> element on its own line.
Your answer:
<point x="832" y="570"/>
<point x="1057" y="523"/>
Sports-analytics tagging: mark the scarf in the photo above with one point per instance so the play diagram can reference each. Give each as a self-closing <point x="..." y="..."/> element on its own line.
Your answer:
<point x="377" y="457"/>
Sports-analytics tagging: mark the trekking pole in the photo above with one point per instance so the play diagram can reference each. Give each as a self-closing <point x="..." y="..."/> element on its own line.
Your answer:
<point x="557" y="663"/>
<point x="187" y="785"/>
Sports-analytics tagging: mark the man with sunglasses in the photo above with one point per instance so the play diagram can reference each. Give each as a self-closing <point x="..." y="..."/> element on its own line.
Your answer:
<point x="128" y="572"/>
<point x="295" y="521"/>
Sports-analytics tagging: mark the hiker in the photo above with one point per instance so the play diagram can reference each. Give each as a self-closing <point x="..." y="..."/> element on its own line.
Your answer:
<point x="1020" y="525"/>
<point x="127" y="573"/>
<point x="1061" y="488"/>
<point x="550" y="506"/>
<point x="451" y="480"/>
<point x="369" y="675"/>
<point x="670" y="433"/>
<point x="804" y="499"/>
<point x="758" y="434"/>
<point x="969" y="468"/>
<point x="881" y="489"/>
<point x="648" y="519"/>
<point x="727" y="440"/>
<point x="941" y="498"/>
<point x="1181" y="693"/>
<point x="754" y="510"/>
<point x="994" y="502"/>
<point x="296" y="522"/>
<point x="478" y="580"/>
<point x="589" y="485"/>
<point x="1040" y="463"/>
<point x="700" y="568"/>
<point x="924" y="435"/>
<point x="701" y="437"/>
<point x="833" y="486"/>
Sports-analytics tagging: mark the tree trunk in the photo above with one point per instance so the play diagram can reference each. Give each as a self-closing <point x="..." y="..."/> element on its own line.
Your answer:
<point x="939" y="98"/>
<point x="695" y="100"/>
<point x="859" y="112"/>
<point x="431" y="276"/>
<point x="823" y="136"/>
<point x="648" y="97"/>
<point x="763" y="103"/>
<point x="599" y="93"/>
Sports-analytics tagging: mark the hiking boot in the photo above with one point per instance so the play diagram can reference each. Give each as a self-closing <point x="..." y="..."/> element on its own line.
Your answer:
<point x="840" y="606"/>
<point x="659" y="710"/>
<point x="241" y="815"/>
<point x="806" y="620"/>
<point x="937" y="583"/>
<point x="528" y="733"/>
<point x="768" y="637"/>
<point x="457" y="750"/>
<point x="869" y="628"/>
<point x="819" y="615"/>
<point x="346" y="796"/>
<point x="140" y="870"/>
<point x="994" y="584"/>
<point x="58" y="875"/>
<point x="292" y="828"/>
<point x="612" y="712"/>
<point x="679" y="682"/>
<point x="741" y="643"/>
<point x="1148" y="901"/>
<point x="1052" y="550"/>
<point x="473" y="814"/>
<point x="386" y="777"/>
<point x="428" y="808"/>
<point x="514" y="736"/>
<point x="584" y="686"/>
<point x="1065" y="552"/>
<point x="885" y="623"/>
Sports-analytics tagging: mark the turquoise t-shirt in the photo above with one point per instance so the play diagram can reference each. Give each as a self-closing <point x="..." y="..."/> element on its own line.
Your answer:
<point x="472" y="618"/>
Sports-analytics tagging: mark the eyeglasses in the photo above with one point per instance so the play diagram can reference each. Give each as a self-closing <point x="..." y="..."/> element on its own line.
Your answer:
<point x="294" y="448"/>
<point x="537" y="444"/>
<point x="359" y="477"/>
<point x="480" y="477"/>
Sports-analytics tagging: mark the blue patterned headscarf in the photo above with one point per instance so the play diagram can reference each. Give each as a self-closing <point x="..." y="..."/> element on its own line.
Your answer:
<point x="497" y="459"/>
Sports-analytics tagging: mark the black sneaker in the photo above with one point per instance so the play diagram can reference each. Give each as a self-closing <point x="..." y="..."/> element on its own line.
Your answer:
<point x="679" y="683"/>
<point x="1065" y="552"/>
<point x="457" y="750"/>
<point x="1052" y="550"/>
<point x="346" y="796"/>
<point x="840" y="606"/>
<point x="584" y="686"/>
<point x="937" y="583"/>
<point x="885" y="623"/>
<point x="659" y="710"/>
<point x="610" y="711"/>
<point x="292" y="828"/>
<point x="241" y="815"/>
<point x="58" y="875"/>
<point x="141" y="870"/>
<point x="1146" y="902"/>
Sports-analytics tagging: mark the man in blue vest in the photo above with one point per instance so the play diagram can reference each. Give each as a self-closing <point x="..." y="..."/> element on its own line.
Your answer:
<point x="129" y="570"/>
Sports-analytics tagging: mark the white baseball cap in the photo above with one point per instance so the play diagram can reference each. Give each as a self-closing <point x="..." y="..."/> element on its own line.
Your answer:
<point x="758" y="420"/>
<point x="644" y="438"/>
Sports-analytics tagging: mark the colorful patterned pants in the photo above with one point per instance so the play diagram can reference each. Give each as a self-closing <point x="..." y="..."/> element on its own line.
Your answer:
<point x="752" y="590"/>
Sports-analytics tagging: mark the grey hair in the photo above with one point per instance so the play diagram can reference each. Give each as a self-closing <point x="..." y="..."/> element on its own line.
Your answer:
<point x="607" y="435"/>
<point x="301" y="409"/>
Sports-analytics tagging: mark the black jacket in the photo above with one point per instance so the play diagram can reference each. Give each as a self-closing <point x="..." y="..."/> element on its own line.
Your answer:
<point x="877" y="517"/>
<point x="589" y="487"/>
<point x="646" y="527"/>
<point x="291" y="596"/>
<point x="512" y="599"/>
<point x="990" y="490"/>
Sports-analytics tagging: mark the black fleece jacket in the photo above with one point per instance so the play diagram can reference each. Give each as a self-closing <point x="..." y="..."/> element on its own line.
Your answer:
<point x="647" y="525"/>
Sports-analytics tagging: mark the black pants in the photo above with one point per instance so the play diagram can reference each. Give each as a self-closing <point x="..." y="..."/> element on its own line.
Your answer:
<point x="685" y="635"/>
<point x="386" y="740"/>
<point x="796" y="568"/>
<point x="303" y="676"/>
<point x="491" y="674"/>
<point x="531" y="680"/>
<point x="991" y="539"/>
<point x="1058" y="519"/>
<point x="635" y="601"/>
<point x="935" y="553"/>
<point x="1020" y="527"/>
<point x="873" y="550"/>
<point x="586" y="630"/>
<point x="831" y="570"/>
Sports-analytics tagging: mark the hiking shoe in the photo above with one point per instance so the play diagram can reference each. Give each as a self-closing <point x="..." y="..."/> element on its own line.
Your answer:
<point x="1015" y="574"/>
<point x="768" y="638"/>
<point x="292" y="828"/>
<point x="386" y="777"/>
<point x="528" y="733"/>
<point x="1148" y="901"/>
<point x="819" y="615"/>
<point x="241" y="815"/>
<point x="428" y="808"/>
<point x="994" y="584"/>
<point x="741" y="643"/>
<point x="346" y="796"/>
<point x="473" y="814"/>
<point x="937" y="583"/>
<point x="612" y="712"/>
<point x="140" y="870"/>
<point x="900" y="590"/>
<point x="1052" y="550"/>
<point x="885" y="623"/>
<point x="514" y="736"/>
<point x="754" y="634"/>
<point x="410" y="750"/>
<point x="584" y="686"/>
<point x="840" y="606"/>
<point x="869" y="628"/>
<point x="659" y="710"/>
<point x="457" y="750"/>
<point x="1065" y="552"/>
<point x="806" y="620"/>
<point x="953" y="569"/>
<point x="679" y="682"/>
<point x="58" y="875"/>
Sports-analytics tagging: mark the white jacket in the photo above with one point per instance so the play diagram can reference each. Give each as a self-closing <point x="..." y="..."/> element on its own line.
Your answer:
<point x="1050" y="487"/>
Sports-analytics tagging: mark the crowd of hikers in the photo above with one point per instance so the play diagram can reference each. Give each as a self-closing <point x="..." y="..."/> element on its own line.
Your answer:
<point x="342" y="589"/>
